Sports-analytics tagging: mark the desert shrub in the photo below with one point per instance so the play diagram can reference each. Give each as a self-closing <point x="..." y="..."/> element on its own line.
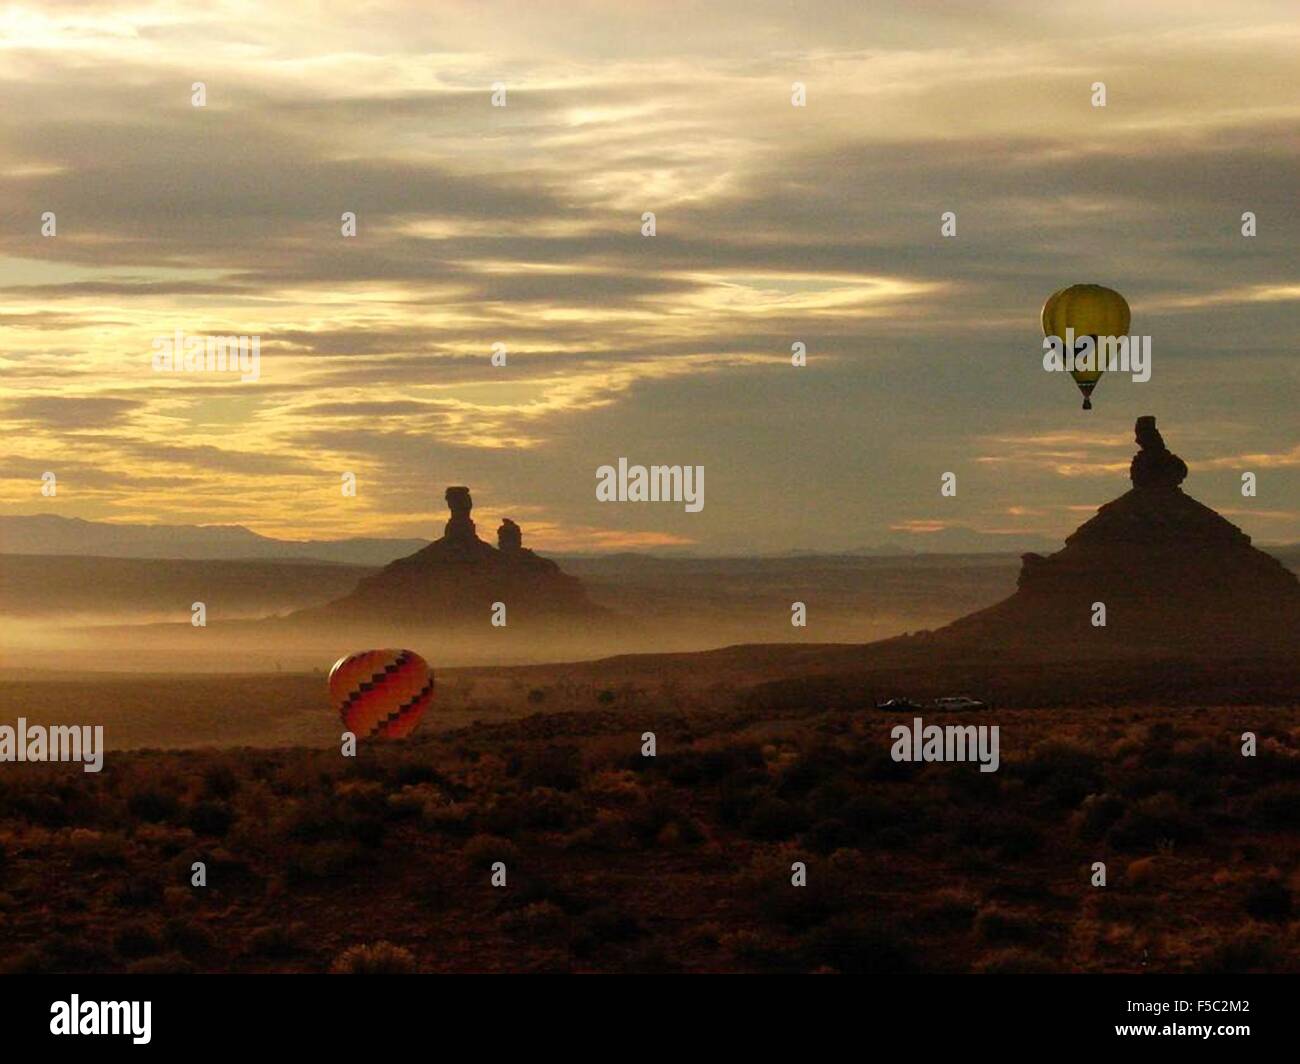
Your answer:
<point x="220" y="781"/>
<point x="276" y="941"/>
<point x="536" y="696"/>
<point x="880" y="766"/>
<point x="1028" y="890"/>
<point x="603" y="926"/>
<point x="153" y="804"/>
<point x="1119" y="906"/>
<point x="1276" y="806"/>
<point x="859" y="946"/>
<point x="210" y="817"/>
<point x="1158" y="744"/>
<point x="1268" y="899"/>
<point x="457" y="819"/>
<point x="538" y="919"/>
<point x="97" y="849"/>
<point x="818" y="766"/>
<point x="1192" y="786"/>
<point x="653" y="958"/>
<point x="1017" y="961"/>
<point x="827" y="801"/>
<point x="1210" y="760"/>
<point x="1152" y="820"/>
<point x="75" y="951"/>
<point x="39" y="807"/>
<point x="27" y="960"/>
<point x="893" y="838"/>
<point x="136" y="939"/>
<point x="739" y="792"/>
<point x="1271" y="764"/>
<point x="363" y="812"/>
<point x="540" y="808"/>
<point x="382" y="958"/>
<point x="408" y="770"/>
<point x="412" y="800"/>
<point x="1012" y="835"/>
<point x="949" y="909"/>
<point x="867" y="814"/>
<point x="612" y="924"/>
<point x="556" y="767"/>
<point x="608" y="831"/>
<point x="484" y="850"/>
<point x="139" y="892"/>
<point x="1065" y="772"/>
<point x="171" y="963"/>
<point x="190" y="937"/>
<point x="706" y="935"/>
<point x="681" y="832"/>
<point x="405" y="770"/>
<point x="1098" y="814"/>
<point x="59" y="952"/>
<point x="760" y="950"/>
<point x="788" y="906"/>
<point x="162" y="839"/>
<point x="1149" y="871"/>
<point x="773" y="819"/>
<point x="527" y="889"/>
<point x="967" y="788"/>
<point x="321" y="860"/>
<point x="315" y="816"/>
<point x="1247" y="949"/>
<point x="357" y="816"/>
<point x="993" y="923"/>
<point x="648" y="818"/>
<point x="827" y="836"/>
<point x="689" y="768"/>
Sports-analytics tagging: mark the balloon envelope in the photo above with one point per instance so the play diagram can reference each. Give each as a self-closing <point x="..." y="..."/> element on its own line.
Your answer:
<point x="381" y="692"/>
<point x="1090" y="310"/>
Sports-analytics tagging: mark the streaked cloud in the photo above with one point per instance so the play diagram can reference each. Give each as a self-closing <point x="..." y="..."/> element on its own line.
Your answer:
<point x="521" y="225"/>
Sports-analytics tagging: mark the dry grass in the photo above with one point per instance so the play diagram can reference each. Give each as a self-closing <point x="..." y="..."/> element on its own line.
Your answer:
<point x="678" y="863"/>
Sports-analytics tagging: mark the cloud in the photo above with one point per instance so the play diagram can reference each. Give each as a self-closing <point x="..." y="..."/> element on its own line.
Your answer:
<point x="1263" y="460"/>
<point x="64" y="412"/>
<point x="521" y="225"/>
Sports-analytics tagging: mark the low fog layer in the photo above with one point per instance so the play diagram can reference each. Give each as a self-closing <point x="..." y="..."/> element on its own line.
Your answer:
<point x="122" y="614"/>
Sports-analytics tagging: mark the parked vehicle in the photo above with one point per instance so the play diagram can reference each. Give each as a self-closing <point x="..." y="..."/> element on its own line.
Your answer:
<point x="897" y="703"/>
<point x="959" y="702"/>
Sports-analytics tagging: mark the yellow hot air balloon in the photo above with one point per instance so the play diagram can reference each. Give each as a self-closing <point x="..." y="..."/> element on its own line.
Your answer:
<point x="1090" y="310"/>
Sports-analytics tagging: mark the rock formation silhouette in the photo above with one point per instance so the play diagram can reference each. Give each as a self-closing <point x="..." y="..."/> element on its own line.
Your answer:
<point x="454" y="582"/>
<point x="1174" y="577"/>
<point x="509" y="536"/>
<point x="1154" y="466"/>
<point x="460" y="527"/>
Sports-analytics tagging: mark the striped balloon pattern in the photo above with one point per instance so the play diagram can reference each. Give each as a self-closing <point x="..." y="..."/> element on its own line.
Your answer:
<point x="381" y="693"/>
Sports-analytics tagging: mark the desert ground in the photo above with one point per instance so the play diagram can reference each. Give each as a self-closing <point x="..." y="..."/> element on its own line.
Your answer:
<point x="620" y="862"/>
<point x="767" y="755"/>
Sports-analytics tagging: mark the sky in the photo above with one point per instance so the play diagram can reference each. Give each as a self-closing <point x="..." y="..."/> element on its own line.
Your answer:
<point x="521" y="225"/>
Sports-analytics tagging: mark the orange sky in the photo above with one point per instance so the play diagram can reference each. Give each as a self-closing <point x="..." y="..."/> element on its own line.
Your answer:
<point x="520" y="225"/>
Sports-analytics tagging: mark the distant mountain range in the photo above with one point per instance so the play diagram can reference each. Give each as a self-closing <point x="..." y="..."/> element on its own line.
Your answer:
<point x="53" y="534"/>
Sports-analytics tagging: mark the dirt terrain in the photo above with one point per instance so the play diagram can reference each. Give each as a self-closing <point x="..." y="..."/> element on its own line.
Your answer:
<point x="619" y="862"/>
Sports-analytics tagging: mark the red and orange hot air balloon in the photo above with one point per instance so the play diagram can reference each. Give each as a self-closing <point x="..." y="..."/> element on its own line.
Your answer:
<point x="381" y="693"/>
